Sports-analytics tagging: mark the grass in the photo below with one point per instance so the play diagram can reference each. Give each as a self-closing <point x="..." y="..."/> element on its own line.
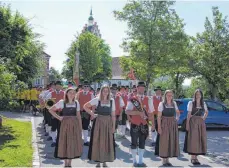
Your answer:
<point x="15" y="144"/>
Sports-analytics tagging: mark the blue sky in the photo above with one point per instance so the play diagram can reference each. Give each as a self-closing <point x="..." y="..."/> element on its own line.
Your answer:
<point x="58" y="21"/>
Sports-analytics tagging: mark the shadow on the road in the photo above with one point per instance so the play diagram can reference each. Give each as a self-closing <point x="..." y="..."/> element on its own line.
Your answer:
<point x="182" y="157"/>
<point x="203" y="165"/>
<point x="45" y="149"/>
<point x="122" y="155"/>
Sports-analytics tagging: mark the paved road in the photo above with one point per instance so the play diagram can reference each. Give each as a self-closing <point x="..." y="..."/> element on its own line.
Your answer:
<point x="218" y="145"/>
<point x="17" y="115"/>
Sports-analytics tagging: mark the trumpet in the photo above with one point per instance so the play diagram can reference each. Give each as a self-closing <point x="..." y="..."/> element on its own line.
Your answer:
<point x="49" y="103"/>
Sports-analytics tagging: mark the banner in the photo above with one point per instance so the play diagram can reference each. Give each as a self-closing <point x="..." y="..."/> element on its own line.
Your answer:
<point x="76" y="69"/>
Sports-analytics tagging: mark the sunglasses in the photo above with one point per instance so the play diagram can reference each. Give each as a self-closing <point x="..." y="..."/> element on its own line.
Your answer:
<point x="85" y="86"/>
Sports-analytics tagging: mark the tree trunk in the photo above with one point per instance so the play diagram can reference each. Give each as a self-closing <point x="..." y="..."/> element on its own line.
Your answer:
<point x="213" y="92"/>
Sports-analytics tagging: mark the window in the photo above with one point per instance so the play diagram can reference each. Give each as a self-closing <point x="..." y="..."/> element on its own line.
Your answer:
<point x="179" y="103"/>
<point x="214" y="106"/>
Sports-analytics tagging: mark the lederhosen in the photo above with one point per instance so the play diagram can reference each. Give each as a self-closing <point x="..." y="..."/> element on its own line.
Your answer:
<point x="196" y="137"/>
<point x="85" y="118"/>
<point x="102" y="143"/>
<point x="69" y="140"/>
<point x="138" y="133"/>
<point x="167" y="144"/>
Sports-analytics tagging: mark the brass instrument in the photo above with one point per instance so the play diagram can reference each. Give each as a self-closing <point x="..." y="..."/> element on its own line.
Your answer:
<point x="49" y="103"/>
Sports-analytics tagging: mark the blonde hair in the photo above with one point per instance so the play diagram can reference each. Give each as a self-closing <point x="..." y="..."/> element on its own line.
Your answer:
<point x="165" y="99"/>
<point x="101" y="92"/>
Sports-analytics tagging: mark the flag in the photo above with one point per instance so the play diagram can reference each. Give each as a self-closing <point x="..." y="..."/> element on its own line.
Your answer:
<point x="76" y="69"/>
<point x="131" y="74"/>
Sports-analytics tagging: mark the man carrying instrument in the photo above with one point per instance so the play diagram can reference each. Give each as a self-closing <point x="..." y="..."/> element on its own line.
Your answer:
<point x="56" y="96"/>
<point x="123" y="122"/>
<point x="47" y="115"/>
<point x="84" y="96"/>
<point x="139" y="107"/>
<point x="119" y="104"/>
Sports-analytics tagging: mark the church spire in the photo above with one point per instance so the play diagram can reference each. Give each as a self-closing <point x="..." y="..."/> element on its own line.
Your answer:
<point x="91" y="17"/>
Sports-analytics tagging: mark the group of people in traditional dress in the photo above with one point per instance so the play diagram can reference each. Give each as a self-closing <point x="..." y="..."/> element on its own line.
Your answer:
<point x="109" y="110"/>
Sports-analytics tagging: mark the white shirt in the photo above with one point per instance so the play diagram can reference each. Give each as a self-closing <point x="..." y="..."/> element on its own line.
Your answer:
<point x="60" y="105"/>
<point x="95" y="102"/>
<point x="45" y="96"/>
<point x="189" y="107"/>
<point x="121" y="102"/>
<point x="49" y="96"/>
<point x="41" y="95"/>
<point x="161" y="107"/>
<point x="130" y="105"/>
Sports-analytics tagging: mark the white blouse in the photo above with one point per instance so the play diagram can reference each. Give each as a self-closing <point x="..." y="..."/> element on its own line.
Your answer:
<point x="189" y="107"/>
<point x="161" y="107"/>
<point x="60" y="105"/>
<point x="95" y="102"/>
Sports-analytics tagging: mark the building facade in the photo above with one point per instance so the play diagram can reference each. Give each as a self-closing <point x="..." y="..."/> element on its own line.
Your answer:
<point x="43" y="80"/>
<point x="92" y="26"/>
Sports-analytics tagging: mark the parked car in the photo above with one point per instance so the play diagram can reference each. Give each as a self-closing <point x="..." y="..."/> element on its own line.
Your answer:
<point x="218" y="114"/>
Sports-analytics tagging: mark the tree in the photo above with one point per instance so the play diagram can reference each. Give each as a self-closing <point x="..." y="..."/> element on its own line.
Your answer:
<point x="154" y="32"/>
<point x="95" y="59"/>
<point x="20" y="49"/>
<point x="210" y="53"/>
<point x="54" y="75"/>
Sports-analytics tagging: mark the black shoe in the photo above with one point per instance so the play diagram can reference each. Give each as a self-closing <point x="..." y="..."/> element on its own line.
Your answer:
<point x="105" y="165"/>
<point x="169" y="164"/>
<point x="46" y="134"/>
<point x="135" y="165"/>
<point x="153" y="144"/>
<point x="142" y="165"/>
<point x="195" y="162"/>
<point x="86" y="144"/>
<point x="98" y="165"/>
<point x="53" y="144"/>
<point x="49" y="139"/>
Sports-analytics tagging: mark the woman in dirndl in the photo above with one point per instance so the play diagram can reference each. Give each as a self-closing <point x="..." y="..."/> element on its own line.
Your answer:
<point x="102" y="144"/>
<point x="69" y="137"/>
<point x="167" y="143"/>
<point x="196" y="137"/>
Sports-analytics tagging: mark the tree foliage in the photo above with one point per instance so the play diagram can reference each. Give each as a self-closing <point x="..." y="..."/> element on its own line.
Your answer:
<point x="20" y="54"/>
<point x="155" y="34"/>
<point x="54" y="75"/>
<point x="95" y="59"/>
<point x="210" y="53"/>
<point x="20" y="49"/>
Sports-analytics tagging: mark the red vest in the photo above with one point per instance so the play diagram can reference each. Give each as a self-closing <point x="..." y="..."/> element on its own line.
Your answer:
<point x="56" y="96"/>
<point x="156" y="102"/>
<point x="136" y="119"/>
<point x="125" y="99"/>
<point x="83" y="99"/>
<point x="117" y="105"/>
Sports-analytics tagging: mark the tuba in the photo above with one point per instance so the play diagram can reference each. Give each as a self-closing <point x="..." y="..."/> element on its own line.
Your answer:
<point x="49" y="103"/>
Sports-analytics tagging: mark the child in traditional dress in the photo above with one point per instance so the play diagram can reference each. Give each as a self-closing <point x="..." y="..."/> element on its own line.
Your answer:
<point x="167" y="143"/>
<point x="102" y="144"/>
<point x="69" y="136"/>
<point x="196" y="136"/>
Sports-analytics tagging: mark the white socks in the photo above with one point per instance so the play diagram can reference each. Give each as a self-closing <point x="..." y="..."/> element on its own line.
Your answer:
<point x="53" y="135"/>
<point x="134" y="154"/>
<point x="46" y="128"/>
<point x="154" y="136"/>
<point x="85" y="135"/>
<point x="140" y="154"/>
<point x="123" y="130"/>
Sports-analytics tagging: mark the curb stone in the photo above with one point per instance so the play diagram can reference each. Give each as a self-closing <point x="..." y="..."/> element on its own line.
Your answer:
<point x="36" y="158"/>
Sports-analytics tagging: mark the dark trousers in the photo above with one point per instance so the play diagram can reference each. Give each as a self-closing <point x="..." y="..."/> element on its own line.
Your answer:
<point x="124" y="118"/>
<point x="138" y="136"/>
<point x="54" y="124"/>
<point x="85" y="123"/>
